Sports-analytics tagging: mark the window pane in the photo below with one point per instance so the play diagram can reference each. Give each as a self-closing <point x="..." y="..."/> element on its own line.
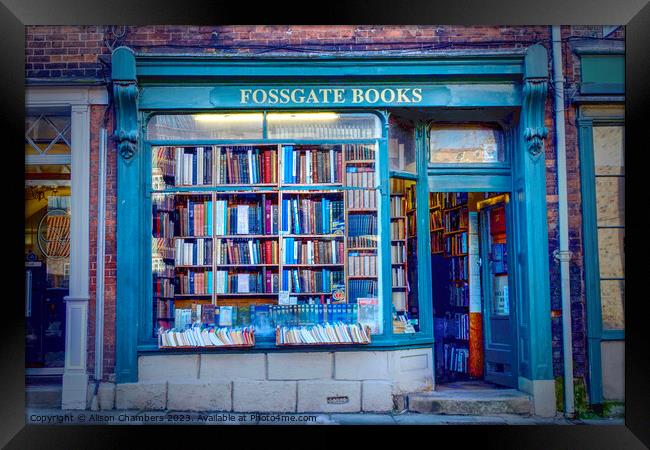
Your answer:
<point x="466" y="143"/>
<point x="609" y="150"/>
<point x="610" y="201"/>
<point x="205" y="126"/>
<point x="401" y="146"/>
<point x="610" y="252"/>
<point x="47" y="133"/>
<point x="612" y="299"/>
<point x="322" y="125"/>
<point x="404" y="258"/>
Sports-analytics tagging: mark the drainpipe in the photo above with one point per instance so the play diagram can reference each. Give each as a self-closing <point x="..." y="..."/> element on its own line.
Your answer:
<point x="563" y="255"/>
<point x="101" y="243"/>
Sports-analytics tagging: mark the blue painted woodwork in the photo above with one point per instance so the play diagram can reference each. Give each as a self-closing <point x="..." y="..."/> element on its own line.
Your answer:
<point x="187" y="83"/>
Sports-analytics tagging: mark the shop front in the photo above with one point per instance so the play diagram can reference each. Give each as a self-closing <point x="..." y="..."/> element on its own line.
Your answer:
<point x="324" y="235"/>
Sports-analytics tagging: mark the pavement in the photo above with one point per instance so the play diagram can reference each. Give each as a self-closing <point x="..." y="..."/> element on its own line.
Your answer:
<point x="131" y="417"/>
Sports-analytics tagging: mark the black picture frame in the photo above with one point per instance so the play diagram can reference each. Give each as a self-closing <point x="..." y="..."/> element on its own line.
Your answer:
<point x="15" y="14"/>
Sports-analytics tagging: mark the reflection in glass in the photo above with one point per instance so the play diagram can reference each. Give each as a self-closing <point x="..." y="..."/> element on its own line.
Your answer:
<point x="466" y="143"/>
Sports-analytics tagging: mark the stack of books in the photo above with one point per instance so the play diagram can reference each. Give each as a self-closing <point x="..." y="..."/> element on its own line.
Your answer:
<point x="336" y="333"/>
<point x="197" y="336"/>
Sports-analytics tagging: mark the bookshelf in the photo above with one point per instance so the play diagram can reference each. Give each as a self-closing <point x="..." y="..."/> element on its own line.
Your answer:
<point x="403" y="254"/>
<point x="240" y="230"/>
<point x="449" y="215"/>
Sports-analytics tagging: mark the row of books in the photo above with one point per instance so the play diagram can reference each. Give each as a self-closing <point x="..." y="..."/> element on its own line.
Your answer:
<point x="397" y="206"/>
<point x="246" y="165"/>
<point x="310" y="280"/>
<point x="362" y="264"/>
<point x="362" y="179"/>
<point x="305" y="314"/>
<point x="162" y="225"/>
<point x="459" y="268"/>
<point x="362" y="242"/>
<point x="362" y="288"/>
<point x="357" y="152"/>
<point x="398" y="276"/>
<point x="246" y="282"/>
<point x="194" y="217"/>
<point x="456" y="358"/>
<point x="456" y="244"/>
<point x="197" y="336"/>
<point x="457" y="326"/>
<point x="311" y="166"/>
<point x="246" y="251"/>
<point x="398" y="253"/>
<point x="300" y="251"/>
<point x="195" y="282"/>
<point x="257" y="316"/>
<point x="254" y="217"/>
<point x="193" y="252"/>
<point x="398" y="229"/>
<point x="163" y="287"/>
<point x="304" y="215"/>
<point x="455" y="219"/>
<point x="435" y="220"/>
<point x="362" y="225"/>
<point x="336" y="333"/>
<point x="436" y="199"/>
<point x="453" y="199"/>
<point x="459" y="294"/>
<point x="192" y="166"/>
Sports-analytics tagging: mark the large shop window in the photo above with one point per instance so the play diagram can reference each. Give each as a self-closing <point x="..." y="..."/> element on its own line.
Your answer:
<point x="280" y="238"/>
<point x="403" y="227"/>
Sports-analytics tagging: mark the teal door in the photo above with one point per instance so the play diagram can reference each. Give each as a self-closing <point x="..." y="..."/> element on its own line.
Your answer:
<point x="498" y="302"/>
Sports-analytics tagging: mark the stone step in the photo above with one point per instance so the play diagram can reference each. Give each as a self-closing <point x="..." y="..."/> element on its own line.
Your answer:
<point x="471" y="402"/>
<point x="43" y="396"/>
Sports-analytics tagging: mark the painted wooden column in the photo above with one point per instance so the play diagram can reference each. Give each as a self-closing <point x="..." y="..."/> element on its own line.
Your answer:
<point x="534" y="320"/>
<point x="75" y="377"/>
<point x="129" y="216"/>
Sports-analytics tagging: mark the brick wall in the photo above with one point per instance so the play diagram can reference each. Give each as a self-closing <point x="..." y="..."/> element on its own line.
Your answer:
<point x="82" y="52"/>
<point x="110" y="249"/>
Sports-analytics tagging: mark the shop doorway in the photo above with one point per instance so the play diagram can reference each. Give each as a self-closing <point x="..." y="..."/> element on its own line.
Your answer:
<point x="473" y="308"/>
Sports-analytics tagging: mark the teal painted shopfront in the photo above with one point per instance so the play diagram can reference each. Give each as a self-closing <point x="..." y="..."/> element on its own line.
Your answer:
<point x="367" y="135"/>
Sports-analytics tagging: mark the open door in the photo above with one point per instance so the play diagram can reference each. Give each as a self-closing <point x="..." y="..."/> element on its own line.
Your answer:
<point x="498" y="306"/>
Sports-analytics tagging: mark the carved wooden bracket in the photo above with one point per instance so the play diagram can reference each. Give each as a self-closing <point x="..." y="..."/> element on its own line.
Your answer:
<point x="126" y="130"/>
<point x="534" y="102"/>
<point x="125" y="95"/>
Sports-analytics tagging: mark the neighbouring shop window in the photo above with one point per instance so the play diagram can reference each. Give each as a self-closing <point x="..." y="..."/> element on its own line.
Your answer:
<point x="282" y="238"/>
<point x="609" y="170"/>
<point x="47" y="235"/>
<point x="465" y="143"/>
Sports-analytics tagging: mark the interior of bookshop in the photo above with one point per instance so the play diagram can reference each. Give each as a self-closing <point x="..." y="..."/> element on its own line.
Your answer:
<point x="281" y="242"/>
